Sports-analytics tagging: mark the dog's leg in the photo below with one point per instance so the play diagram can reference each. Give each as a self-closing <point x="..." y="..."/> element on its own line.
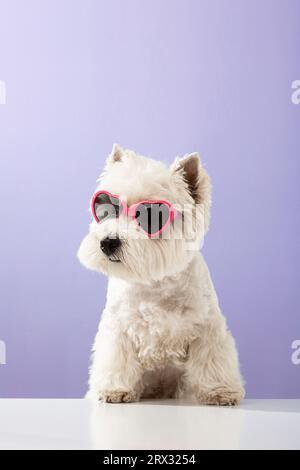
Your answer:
<point x="115" y="375"/>
<point x="212" y="372"/>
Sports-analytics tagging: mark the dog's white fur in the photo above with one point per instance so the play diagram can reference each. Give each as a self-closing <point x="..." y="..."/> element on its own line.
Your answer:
<point x="162" y="333"/>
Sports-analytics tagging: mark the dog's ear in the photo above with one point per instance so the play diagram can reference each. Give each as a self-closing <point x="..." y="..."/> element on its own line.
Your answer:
<point x="189" y="169"/>
<point x="115" y="155"/>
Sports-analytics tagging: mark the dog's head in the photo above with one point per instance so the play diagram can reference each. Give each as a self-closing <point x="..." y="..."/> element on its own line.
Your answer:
<point x="119" y="244"/>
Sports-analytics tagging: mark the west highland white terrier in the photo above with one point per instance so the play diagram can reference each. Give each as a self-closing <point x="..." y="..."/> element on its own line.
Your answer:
<point x="162" y="333"/>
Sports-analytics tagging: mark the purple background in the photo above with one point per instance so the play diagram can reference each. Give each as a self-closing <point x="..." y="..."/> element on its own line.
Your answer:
<point x="164" y="78"/>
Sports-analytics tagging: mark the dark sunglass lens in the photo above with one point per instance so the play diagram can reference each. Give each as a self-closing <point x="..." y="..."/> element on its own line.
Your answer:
<point x="106" y="207"/>
<point x="152" y="217"/>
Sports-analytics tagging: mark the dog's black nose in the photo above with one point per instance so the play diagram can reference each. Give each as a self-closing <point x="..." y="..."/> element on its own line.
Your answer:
<point x="110" y="245"/>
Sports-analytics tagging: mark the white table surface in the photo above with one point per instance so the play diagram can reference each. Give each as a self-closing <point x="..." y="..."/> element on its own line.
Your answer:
<point x="168" y="424"/>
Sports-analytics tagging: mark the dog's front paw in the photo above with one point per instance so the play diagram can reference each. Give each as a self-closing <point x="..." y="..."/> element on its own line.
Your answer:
<point x="221" y="396"/>
<point x="118" y="396"/>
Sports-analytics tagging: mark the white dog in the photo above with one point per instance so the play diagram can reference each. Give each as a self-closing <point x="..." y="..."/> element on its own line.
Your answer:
<point x="162" y="333"/>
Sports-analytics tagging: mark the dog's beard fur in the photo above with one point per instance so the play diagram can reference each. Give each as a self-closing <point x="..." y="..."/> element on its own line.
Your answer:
<point x="140" y="259"/>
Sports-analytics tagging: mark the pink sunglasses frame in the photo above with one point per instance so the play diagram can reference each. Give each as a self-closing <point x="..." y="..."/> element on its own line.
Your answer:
<point x="131" y="211"/>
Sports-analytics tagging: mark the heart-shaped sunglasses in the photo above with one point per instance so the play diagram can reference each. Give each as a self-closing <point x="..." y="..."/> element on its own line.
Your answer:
<point x="152" y="216"/>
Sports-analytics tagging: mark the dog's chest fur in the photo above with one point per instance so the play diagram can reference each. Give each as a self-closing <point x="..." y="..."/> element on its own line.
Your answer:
<point x="164" y="318"/>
